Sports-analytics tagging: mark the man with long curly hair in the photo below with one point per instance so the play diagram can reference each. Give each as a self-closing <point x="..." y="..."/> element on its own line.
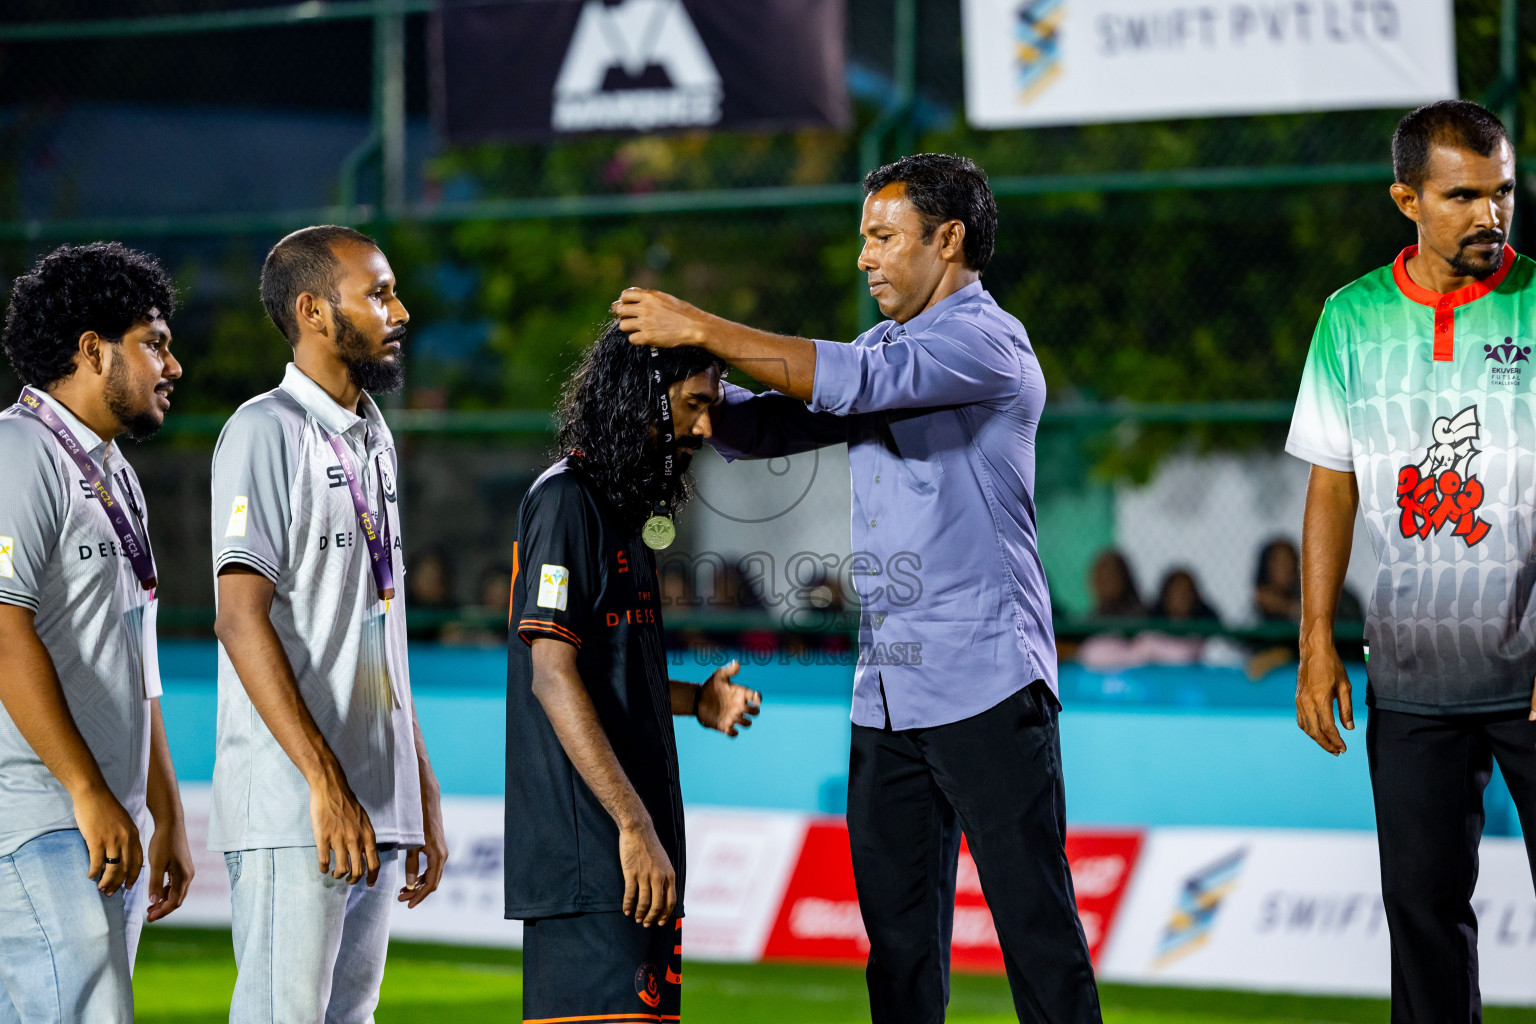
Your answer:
<point x="594" y="829"/>
<point x="83" y="758"/>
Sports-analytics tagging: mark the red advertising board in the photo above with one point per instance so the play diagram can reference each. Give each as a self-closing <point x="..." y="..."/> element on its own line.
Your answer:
<point x="819" y="915"/>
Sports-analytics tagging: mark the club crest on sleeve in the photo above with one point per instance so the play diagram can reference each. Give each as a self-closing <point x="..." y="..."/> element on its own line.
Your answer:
<point x="7" y="562"/>
<point x="554" y="586"/>
<point x="236" y="527"/>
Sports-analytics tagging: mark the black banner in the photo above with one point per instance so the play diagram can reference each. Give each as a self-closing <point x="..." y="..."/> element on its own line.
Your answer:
<point x="529" y="68"/>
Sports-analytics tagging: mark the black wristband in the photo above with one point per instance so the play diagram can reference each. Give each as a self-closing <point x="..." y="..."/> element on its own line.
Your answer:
<point x="697" y="693"/>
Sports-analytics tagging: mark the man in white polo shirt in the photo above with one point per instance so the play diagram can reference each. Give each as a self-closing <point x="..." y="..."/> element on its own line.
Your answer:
<point x="83" y="757"/>
<point x="320" y="778"/>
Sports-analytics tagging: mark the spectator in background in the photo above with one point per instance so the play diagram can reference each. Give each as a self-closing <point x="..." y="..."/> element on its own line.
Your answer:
<point x="1276" y="598"/>
<point x="1114" y="588"/>
<point x="678" y="600"/>
<point x="677" y="589"/>
<point x="429" y="589"/>
<point x="1179" y="599"/>
<point x="494" y="591"/>
<point x="429" y="580"/>
<point x="485" y="621"/>
<point x="1277" y="583"/>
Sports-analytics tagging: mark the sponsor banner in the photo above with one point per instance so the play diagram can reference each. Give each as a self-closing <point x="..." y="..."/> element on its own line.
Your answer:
<point x="819" y="918"/>
<point x="1298" y="911"/>
<point x="532" y="68"/>
<point x="1037" y="62"/>
<point x="466" y="909"/>
<point x="738" y="865"/>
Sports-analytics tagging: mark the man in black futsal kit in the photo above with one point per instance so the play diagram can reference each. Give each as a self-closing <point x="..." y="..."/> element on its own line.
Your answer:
<point x="594" y="844"/>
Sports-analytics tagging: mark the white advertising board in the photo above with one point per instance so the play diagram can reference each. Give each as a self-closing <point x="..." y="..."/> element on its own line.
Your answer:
<point x="465" y="910"/>
<point x="738" y="865"/>
<point x="1298" y="911"/>
<point x="1039" y="62"/>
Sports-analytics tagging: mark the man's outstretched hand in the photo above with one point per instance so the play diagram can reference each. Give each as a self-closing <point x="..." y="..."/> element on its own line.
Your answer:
<point x="723" y="705"/>
<point x="1320" y="681"/>
<point x="659" y="320"/>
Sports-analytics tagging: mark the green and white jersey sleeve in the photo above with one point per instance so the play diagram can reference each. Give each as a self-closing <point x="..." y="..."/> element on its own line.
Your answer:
<point x="1320" y="425"/>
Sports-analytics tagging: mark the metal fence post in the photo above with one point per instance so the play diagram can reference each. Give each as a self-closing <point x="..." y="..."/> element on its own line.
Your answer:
<point x="389" y="103"/>
<point x="896" y="114"/>
<point x="1509" y="64"/>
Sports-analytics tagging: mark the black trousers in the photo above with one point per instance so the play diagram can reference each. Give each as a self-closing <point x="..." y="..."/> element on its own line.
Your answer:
<point x="1427" y="775"/>
<point x="996" y="775"/>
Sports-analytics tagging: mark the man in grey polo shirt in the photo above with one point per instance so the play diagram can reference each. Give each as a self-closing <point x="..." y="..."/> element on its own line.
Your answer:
<point x="83" y="758"/>
<point x="321" y="777"/>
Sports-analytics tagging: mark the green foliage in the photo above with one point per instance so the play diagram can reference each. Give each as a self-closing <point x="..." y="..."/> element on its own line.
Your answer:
<point x="1176" y="295"/>
<point x="542" y="289"/>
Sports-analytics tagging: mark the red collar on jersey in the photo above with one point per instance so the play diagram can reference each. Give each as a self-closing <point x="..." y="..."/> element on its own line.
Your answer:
<point x="1445" y="305"/>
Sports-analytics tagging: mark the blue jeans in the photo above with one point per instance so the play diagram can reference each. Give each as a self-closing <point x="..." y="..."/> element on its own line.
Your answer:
<point x="309" y="947"/>
<point x="66" y="951"/>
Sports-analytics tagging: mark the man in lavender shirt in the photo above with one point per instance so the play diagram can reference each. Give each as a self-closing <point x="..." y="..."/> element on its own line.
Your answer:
<point x="939" y="406"/>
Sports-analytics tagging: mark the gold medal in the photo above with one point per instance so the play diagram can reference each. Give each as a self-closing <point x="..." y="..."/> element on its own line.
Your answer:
<point x="659" y="532"/>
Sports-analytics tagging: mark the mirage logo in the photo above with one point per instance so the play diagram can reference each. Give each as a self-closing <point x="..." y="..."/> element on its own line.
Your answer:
<point x="638" y="64"/>
<point x="1505" y="370"/>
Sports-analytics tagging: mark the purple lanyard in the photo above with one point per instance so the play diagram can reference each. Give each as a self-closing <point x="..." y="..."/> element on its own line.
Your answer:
<point x="666" y="427"/>
<point x="137" y="550"/>
<point x="378" y="540"/>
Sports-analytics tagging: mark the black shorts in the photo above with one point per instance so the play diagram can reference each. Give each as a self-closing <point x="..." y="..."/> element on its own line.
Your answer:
<point x="603" y="969"/>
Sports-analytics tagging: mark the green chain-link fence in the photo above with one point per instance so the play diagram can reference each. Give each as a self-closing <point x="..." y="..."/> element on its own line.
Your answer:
<point x="1169" y="274"/>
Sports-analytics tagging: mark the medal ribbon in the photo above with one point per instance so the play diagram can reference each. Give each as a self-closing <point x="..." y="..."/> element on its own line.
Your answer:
<point x="379" y="548"/>
<point x="664" y="425"/>
<point x="139" y="555"/>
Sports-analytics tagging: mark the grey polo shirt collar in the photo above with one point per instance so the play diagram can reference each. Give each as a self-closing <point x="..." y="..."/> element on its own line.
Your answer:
<point x="88" y="438"/>
<point x="331" y="416"/>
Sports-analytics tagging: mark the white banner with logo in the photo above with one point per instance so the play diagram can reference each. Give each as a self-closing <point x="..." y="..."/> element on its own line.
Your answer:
<point x="465" y="910"/>
<point x="1283" y="910"/>
<point x="1039" y="62"/>
<point x="1298" y="911"/>
<point x="533" y="68"/>
<point x="739" y="863"/>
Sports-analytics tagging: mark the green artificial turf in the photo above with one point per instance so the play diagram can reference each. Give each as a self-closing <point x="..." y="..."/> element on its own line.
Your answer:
<point x="184" y="976"/>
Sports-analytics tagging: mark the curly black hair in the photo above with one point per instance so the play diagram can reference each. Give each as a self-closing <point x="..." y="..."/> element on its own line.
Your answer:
<point x="103" y="287"/>
<point x="607" y="411"/>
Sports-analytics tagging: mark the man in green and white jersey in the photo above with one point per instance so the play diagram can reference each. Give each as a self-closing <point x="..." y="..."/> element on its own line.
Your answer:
<point x="1418" y="406"/>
